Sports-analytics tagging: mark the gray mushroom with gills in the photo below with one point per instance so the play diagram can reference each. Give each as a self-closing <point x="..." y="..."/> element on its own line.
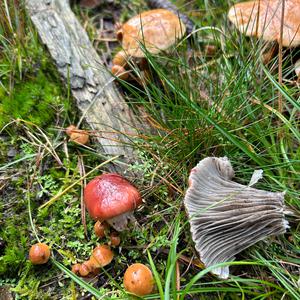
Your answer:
<point x="227" y="217"/>
<point x="112" y="198"/>
<point x="156" y="29"/>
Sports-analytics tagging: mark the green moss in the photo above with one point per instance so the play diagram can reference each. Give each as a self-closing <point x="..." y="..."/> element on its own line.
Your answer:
<point x="14" y="257"/>
<point x="36" y="101"/>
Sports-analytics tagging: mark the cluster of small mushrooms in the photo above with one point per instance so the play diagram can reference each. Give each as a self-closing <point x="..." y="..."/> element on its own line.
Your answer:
<point x="225" y="217"/>
<point x="109" y="199"/>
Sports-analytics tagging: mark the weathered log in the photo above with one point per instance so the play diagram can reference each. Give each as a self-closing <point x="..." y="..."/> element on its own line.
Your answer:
<point x="100" y="103"/>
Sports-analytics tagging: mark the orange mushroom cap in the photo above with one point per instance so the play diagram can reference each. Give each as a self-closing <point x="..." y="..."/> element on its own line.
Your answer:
<point x="70" y="129"/>
<point x="263" y="19"/>
<point x="76" y="135"/>
<point x="120" y="72"/>
<point x="138" y="279"/>
<point x="100" y="228"/>
<point x="115" y="239"/>
<point x="39" y="254"/>
<point x="101" y="256"/>
<point x="157" y="29"/>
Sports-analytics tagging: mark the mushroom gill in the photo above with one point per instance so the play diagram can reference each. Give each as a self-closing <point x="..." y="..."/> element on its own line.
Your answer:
<point x="227" y="217"/>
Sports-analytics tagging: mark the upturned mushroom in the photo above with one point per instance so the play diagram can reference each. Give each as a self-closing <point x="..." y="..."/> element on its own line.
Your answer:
<point x="227" y="217"/>
<point x="156" y="29"/>
<point x="112" y="198"/>
<point x="262" y="18"/>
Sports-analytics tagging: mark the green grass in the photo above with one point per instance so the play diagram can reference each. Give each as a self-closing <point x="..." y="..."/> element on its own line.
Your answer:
<point x="201" y="106"/>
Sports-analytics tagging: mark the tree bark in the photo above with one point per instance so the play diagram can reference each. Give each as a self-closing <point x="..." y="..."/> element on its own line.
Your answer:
<point x="97" y="98"/>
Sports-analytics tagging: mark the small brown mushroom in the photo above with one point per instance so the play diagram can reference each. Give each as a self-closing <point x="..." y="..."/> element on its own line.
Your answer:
<point x="101" y="256"/>
<point x="39" y="254"/>
<point x="112" y="198"/>
<point x="115" y="239"/>
<point x="86" y="268"/>
<point x="100" y="228"/>
<point x="156" y="29"/>
<point x="227" y="217"/>
<point x="138" y="279"/>
<point x="77" y="135"/>
<point x="76" y="268"/>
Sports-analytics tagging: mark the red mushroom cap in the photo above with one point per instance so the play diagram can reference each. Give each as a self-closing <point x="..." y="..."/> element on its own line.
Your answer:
<point x="110" y="195"/>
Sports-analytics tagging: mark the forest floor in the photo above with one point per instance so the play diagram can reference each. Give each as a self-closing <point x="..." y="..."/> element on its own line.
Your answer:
<point x="209" y="96"/>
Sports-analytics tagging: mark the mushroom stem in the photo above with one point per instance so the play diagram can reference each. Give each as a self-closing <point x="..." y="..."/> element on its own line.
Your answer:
<point x="120" y="59"/>
<point x="120" y="222"/>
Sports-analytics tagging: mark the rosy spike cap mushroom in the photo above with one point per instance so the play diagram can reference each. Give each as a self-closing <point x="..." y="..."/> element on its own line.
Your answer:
<point x="112" y="198"/>
<point x="227" y="217"/>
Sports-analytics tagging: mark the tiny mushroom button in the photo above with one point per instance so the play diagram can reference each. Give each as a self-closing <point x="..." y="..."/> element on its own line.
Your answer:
<point x="112" y="198"/>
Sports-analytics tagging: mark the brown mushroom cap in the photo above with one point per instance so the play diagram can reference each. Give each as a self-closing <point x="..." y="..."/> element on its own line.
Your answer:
<point x="39" y="254"/>
<point x="268" y="14"/>
<point x="101" y="256"/>
<point x="157" y="29"/>
<point x="100" y="228"/>
<point x="115" y="239"/>
<point x="138" y="279"/>
<point x="77" y="135"/>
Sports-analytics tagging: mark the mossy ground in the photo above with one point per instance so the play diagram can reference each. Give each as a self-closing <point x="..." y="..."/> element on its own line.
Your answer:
<point x="37" y="161"/>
